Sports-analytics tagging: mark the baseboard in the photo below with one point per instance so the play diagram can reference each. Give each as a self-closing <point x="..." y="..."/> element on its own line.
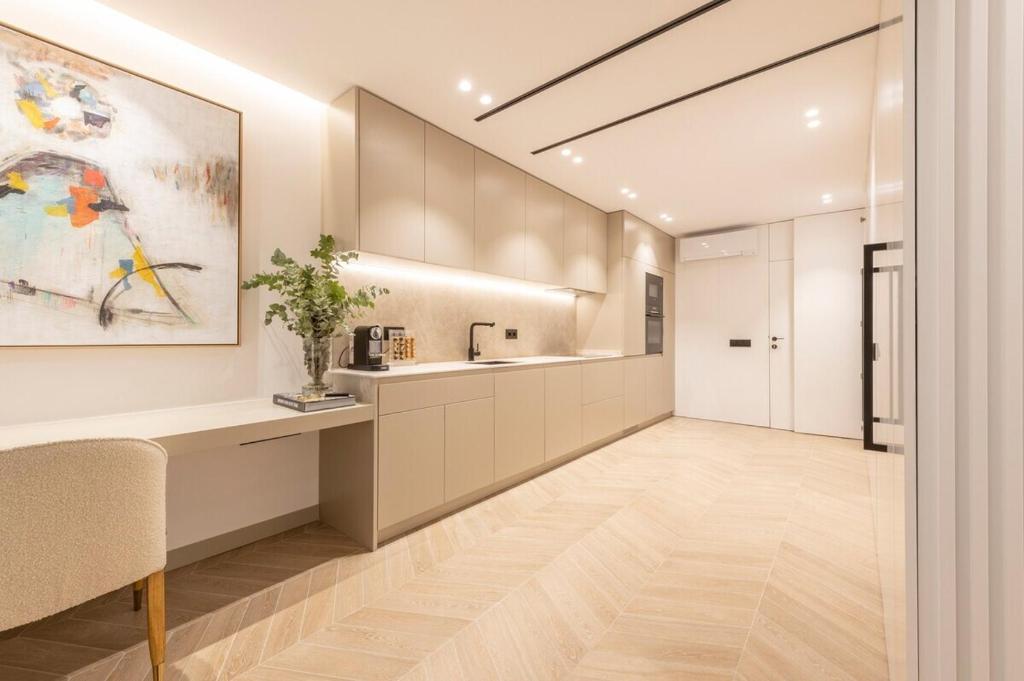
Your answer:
<point x="183" y="555"/>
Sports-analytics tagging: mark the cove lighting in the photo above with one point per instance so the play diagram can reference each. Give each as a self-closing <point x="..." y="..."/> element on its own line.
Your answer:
<point x="813" y="124"/>
<point x="465" y="85"/>
<point x="421" y="274"/>
<point x="812" y="113"/>
<point x="577" y="160"/>
<point x="826" y="198"/>
<point x="566" y="152"/>
<point x="486" y="99"/>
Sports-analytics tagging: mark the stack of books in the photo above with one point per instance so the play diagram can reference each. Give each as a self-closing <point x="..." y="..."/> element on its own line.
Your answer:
<point x="299" y="402"/>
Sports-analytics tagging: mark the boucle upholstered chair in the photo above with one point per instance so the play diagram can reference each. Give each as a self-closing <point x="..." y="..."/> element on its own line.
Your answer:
<point x="79" y="519"/>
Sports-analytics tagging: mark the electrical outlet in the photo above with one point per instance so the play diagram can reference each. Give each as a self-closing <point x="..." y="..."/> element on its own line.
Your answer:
<point x="511" y="334"/>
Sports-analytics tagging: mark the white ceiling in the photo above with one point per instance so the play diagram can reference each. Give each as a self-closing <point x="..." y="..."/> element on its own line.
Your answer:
<point x="738" y="155"/>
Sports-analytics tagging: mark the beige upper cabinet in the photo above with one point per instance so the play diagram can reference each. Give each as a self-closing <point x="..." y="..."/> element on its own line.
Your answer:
<point x="500" y="246"/>
<point x="597" y="250"/>
<point x="576" y="236"/>
<point x="449" y="199"/>
<point x="391" y="179"/>
<point x="545" y="222"/>
<point x="646" y="243"/>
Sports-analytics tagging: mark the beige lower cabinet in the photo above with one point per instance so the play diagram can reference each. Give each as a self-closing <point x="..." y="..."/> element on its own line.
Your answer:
<point x="602" y="419"/>
<point x="657" y="385"/>
<point x="518" y="422"/>
<point x="601" y="380"/>
<point x="468" y="447"/>
<point x="412" y="464"/>
<point x="563" y="413"/>
<point x="635" y="393"/>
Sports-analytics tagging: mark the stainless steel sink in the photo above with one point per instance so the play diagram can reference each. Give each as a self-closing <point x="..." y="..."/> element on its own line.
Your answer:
<point x="494" y="361"/>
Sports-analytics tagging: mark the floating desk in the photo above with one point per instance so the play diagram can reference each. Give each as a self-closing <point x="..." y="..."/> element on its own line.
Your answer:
<point x="348" y="466"/>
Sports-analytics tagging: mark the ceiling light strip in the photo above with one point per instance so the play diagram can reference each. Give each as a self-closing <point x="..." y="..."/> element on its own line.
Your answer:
<point x="728" y="81"/>
<point x="639" y="40"/>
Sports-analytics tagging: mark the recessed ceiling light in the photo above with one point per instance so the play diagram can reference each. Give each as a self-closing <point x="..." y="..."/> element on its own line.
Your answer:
<point x="814" y="124"/>
<point x="705" y="244"/>
<point x="577" y="160"/>
<point x="812" y="113"/>
<point x="465" y="85"/>
<point x="624" y="191"/>
<point x="486" y="99"/>
<point x="826" y="198"/>
<point x="566" y="152"/>
<point x="632" y="195"/>
<point x="669" y="219"/>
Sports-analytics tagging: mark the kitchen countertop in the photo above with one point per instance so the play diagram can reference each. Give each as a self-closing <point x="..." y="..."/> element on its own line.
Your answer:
<point x="463" y="367"/>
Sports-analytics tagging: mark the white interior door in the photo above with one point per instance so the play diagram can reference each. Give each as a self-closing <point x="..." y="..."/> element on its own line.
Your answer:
<point x="780" y="353"/>
<point x="723" y="300"/>
<point x="827" y="256"/>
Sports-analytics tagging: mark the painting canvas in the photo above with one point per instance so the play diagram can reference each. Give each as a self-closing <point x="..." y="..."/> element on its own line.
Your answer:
<point x="119" y="205"/>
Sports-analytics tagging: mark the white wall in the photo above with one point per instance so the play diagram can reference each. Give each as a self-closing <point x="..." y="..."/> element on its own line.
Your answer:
<point x="721" y="299"/>
<point x="827" y="257"/>
<point x="281" y="207"/>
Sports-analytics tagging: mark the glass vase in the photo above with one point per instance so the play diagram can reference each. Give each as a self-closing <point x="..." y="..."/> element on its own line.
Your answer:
<point x="317" y="355"/>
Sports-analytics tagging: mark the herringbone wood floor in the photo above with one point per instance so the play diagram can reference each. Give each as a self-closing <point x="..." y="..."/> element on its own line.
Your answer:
<point x="691" y="550"/>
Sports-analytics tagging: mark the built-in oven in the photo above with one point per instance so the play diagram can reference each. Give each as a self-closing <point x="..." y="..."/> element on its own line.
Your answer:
<point x="654" y="309"/>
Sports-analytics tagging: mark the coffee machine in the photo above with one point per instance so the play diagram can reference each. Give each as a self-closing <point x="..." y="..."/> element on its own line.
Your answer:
<point x="368" y="349"/>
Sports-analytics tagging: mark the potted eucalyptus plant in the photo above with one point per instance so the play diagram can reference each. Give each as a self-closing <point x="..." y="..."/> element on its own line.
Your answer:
<point x="314" y="305"/>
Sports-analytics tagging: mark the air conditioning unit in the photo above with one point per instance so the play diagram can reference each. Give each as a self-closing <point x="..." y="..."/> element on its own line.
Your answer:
<point x="719" y="245"/>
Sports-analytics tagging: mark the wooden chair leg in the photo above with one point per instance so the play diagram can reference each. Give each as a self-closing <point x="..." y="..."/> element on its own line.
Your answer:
<point x="156" y="622"/>
<point x="137" y="594"/>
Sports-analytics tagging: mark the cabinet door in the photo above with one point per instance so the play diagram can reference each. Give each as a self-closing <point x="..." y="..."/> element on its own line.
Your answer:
<point x="518" y="421"/>
<point x="602" y="379"/>
<point x="391" y="203"/>
<point x="655" y="379"/>
<point x="500" y="225"/>
<point x="634" y="330"/>
<point x="635" y="394"/>
<point x="411" y="464"/>
<point x="597" y="250"/>
<point x="468" y="447"/>
<point x="545" y="223"/>
<point x="576" y="229"/>
<point x="562" y="411"/>
<point x="602" y="419"/>
<point x="449" y="200"/>
<point x="646" y="243"/>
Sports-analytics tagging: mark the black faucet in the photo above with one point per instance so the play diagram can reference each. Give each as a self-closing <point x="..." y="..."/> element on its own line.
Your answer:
<point x="475" y="352"/>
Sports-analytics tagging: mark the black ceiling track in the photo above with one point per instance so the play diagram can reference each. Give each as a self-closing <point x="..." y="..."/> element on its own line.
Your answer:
<point x="728" y="81"/>
<point x="639" y="40"/>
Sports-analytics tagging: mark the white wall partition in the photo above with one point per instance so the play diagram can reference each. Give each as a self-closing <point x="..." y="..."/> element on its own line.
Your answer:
<point x="969" y="434"/>
<point x="827" y="255"/>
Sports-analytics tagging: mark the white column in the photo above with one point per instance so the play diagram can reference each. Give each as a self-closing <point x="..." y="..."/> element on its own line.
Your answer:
<point x="969" y="447"/>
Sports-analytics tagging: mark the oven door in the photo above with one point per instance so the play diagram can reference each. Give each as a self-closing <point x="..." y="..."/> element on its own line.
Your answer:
<point x="654" y="294"/>
<point x="655" y="334"/>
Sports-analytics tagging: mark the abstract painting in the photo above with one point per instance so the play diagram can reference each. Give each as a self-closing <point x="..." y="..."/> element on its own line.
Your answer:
<point x="119" y="205"/>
